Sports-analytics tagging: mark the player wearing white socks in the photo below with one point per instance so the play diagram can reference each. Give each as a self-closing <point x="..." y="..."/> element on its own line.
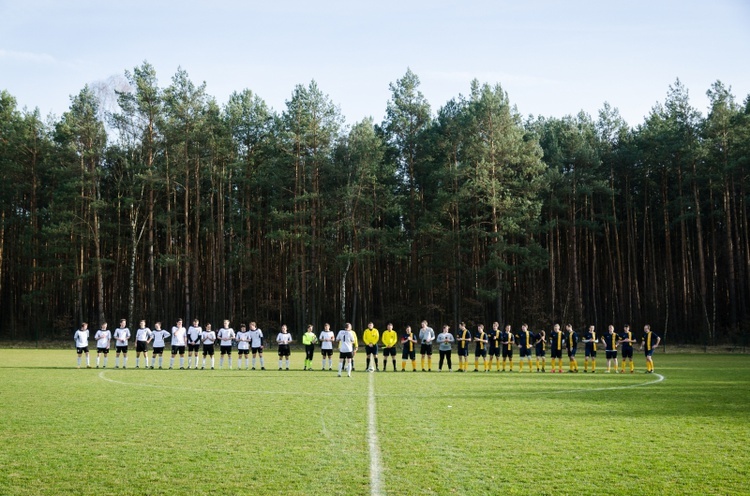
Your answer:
<point x="208" y="337"/>
<point x="346" y="348"/>
<point x="122" y="335"/>
<point x="160" y="335"/>
<point x="143" y="337"/>
<point x="179" y="339"/>
<point x="103" y="337"/>
<point x="243" y="347"/>
<point x="81" y="337"/>
<point x="284" y="339"/>
<point x="256" y="344"/>
<point x="226" y="336"/>
<point x="326" y="339"/>
<point x="194" y="333"/>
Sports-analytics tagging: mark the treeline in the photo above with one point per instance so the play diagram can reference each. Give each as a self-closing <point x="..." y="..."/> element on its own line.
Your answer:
<point x="173" y="205"/>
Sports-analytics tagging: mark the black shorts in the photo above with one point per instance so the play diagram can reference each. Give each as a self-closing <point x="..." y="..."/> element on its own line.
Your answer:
<point x="346" y="354"/>
<point x="309" y="351"/>
<point x="480" y="352"/>
<point x="178" y="349"/>
<point x="541" y="352"/>
<point x="590" y="352"/>
<point x="572" y="352"/>
<point x="494" y="351"/>
<point x="103" y="350"/>
<point x="426" y="349"/>
<point x="326" y="352"/>
<point x="611" y="355"/>
<point x="556" y="353"/>
<point x="284" y="350"/>
<point x="371" y="349"/>
<point x="408" y="355"/>
<point x="194" y="348"/>
<point x="208" y="349"/>
<point x="524" y="352"/>
<point x="241" y="352"/>
<point x="389" y="351"/>
<point x="257" y="350"/>
<point x="627" y="352"/>
<point x="463" y="351"/>
<point x="141" y="346"/>
<point x="122" y="349"/>
<point x="226" y="349"/>
<point x="158" y="350"/>
<point x="508" y="353"/>
<point x="85" y="349"/>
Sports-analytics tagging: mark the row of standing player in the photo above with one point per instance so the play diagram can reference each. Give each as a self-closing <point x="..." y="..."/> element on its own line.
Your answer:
<point x="499" y="343"/>
<point x="494" y="344"/>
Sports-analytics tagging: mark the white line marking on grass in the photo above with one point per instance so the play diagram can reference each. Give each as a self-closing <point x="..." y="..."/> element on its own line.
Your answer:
<point x="375" y="470"/>
<point x="631" y="386"/>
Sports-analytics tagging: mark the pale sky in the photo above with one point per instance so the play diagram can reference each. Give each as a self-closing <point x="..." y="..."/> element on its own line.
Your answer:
<point x="552" y="57"/>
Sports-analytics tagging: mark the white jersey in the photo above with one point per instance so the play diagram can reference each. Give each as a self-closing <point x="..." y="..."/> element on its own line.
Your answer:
<point x="179" y="335"/>
<point x="257" y="338"/>
<point x="226" y="336"/>
<point x="326" y="340"/>
<point x="82" y="338"/>
<point x="102" y="338"/>
<point x="194" y="334"/>
<point x="243" y="340"/>
<point x="143" y="334"/>
<point x="159" y="336"/>
<point x="346" y="341"/>
<point x="208" y="337"/>
<point x="284" y="338"/>
<point x="122" y="334"/>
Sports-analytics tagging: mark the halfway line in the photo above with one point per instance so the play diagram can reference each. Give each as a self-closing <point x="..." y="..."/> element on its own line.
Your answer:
<point x="375" y="470"/>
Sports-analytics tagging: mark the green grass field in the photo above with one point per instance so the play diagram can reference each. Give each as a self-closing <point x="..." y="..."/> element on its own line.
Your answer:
<point x="70" y="431"/>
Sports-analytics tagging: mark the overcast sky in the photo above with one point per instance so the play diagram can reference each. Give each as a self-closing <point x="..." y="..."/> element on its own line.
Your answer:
<point x="552" y="57"/>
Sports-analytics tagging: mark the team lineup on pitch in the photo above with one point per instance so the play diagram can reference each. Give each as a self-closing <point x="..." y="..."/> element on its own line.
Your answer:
<point x="488" y="347"/>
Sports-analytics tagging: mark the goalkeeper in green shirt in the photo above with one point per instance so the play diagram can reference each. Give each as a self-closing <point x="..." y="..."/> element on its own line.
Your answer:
<point x="309" y="339"/>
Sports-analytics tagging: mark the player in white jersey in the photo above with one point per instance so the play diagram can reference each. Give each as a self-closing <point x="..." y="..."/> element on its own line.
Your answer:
<point x="226" y="336"/>
<point x="122" y="335"/>
<point x="346" y="348"/>
<point x="208" y="337"/>
<point x="284" y="339"/>
<point x="143" y="337"/>
<point x="256" y="344"/>
<point x="179" y="339"/>
<point x="81" y="337"/>
<point x="326" y="339"/>
<point x="243" y="347"/>
<point x="160" y="335"/>
<point x="194" y="333"/>
<point x="103" y="337"/>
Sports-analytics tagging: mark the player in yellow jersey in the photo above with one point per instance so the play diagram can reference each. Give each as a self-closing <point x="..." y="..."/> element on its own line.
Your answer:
<point x="371" y="336"/>
<point x="481" y="339"/>
<point x="525" y="342"/>
<point x="389" y="338"/>
<point x="589" y="340"/>
<point x="557" y="341"/>
<point x="626" y="342"/>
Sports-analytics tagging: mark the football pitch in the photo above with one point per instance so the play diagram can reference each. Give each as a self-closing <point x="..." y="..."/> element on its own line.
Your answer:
<point x="683" y="430"/>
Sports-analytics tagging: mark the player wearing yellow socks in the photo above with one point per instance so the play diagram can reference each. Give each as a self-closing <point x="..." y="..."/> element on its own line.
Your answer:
<point x="649" y="343"/>
<point x="610" y="345"/>
<point x="493" y="344"/>
<point x="556" y="347"/>
<point x="480" y="338"/>
<point x="463" y="338"/>
<point x="408" y="344"/>
<point x="626" y="341"/>
<point x="525" y="340"/>
<point x="571" y="343"/>
<point x="589" y="339"/>
<point x="506" y="342"/>
<point x="540" y="342"/>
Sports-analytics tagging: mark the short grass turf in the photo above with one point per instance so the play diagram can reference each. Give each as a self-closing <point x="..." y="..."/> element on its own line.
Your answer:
<point x="94" y="432"/>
